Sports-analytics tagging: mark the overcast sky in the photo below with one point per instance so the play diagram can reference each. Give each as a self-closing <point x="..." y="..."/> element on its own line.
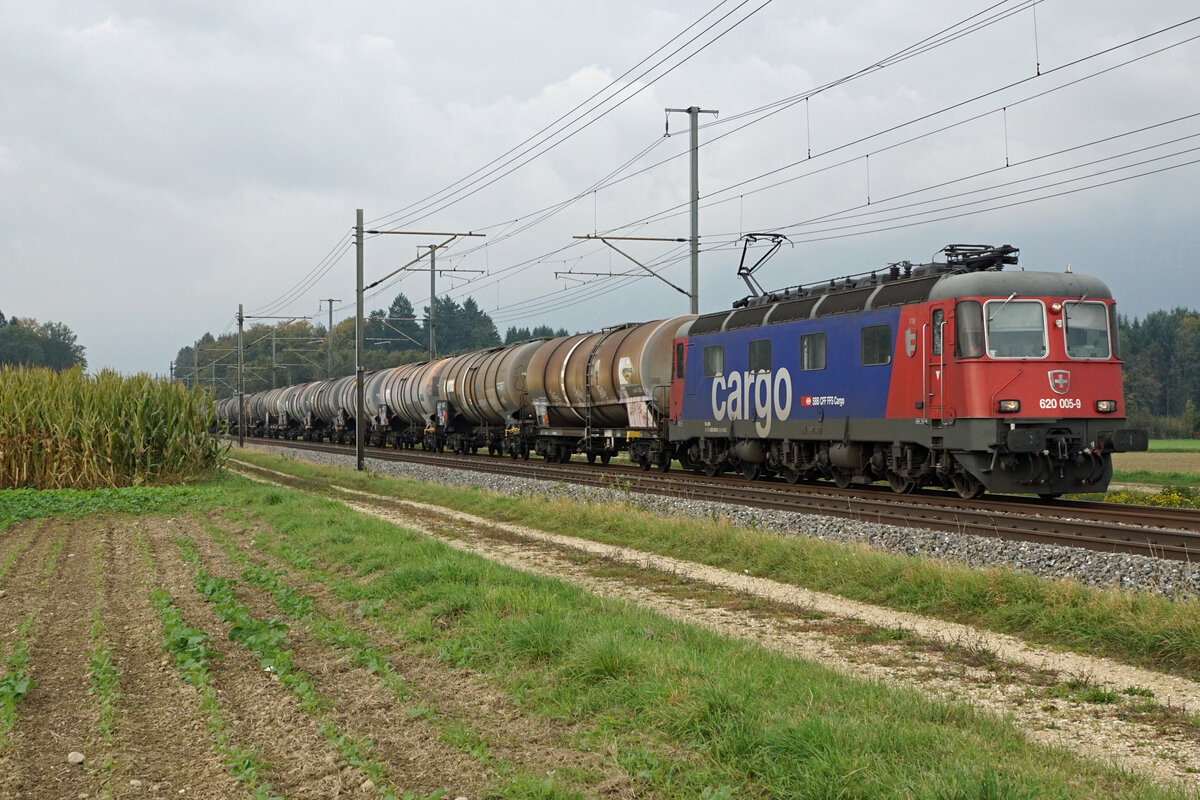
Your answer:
<point x="162" y="162"/>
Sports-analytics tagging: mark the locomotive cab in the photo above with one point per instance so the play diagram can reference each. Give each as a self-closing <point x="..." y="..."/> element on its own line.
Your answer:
<point x="1021" y="381"/>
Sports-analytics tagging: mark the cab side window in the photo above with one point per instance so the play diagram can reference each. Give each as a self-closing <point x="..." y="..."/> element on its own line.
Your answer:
<point x="938" y="322"/>
<point x="968" y="339"/>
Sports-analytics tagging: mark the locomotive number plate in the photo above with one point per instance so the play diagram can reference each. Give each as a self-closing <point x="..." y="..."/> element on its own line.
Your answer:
<point x="1060" y="402"/>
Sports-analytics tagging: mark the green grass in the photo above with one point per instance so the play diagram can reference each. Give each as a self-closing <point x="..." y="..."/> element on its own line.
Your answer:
<point x="1149" y="478"/>
<point x="1138" y="628"/>
<point x="1175" y="445"/>
<point x="20" y="504"/>
<point x="688" y="713"/>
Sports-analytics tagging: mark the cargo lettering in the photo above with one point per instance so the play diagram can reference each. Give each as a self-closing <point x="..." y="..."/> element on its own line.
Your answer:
<point x="760" y="396"/>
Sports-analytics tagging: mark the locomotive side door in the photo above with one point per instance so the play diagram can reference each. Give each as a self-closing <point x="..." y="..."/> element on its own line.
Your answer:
<point x="677" y="373"/>
<point x="936" y="361"/>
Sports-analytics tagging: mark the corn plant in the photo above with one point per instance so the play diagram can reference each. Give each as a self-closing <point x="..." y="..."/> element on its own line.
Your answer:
<point x="72" y="430"/>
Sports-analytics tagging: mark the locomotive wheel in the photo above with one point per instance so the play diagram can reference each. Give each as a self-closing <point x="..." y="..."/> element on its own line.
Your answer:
<point x="604" y="459"/>
<point x="790" y="475"/>
<point x="711" y="470"/>
<point x="751" y="471"/>
<point x="967" y="485"/>
<point x="841" y="478"/>
<point x="900" y="484"/>
<point x="1049" y="495"/>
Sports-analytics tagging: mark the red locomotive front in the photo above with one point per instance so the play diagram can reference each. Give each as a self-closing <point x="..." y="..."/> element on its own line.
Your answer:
<point x="1021" y="375"/>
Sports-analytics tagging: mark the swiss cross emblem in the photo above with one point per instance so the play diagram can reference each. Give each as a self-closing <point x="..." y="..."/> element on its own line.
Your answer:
<point x="1060" y="381"/>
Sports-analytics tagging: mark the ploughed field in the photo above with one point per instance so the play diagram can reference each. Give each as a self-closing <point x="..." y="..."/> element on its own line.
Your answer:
<point x="318" y="633"/>
<point x="1158" y="462"/>
<point x="127" y="626"/>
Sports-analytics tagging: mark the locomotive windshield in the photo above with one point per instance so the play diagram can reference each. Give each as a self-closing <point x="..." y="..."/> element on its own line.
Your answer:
<point x="1086" y="329"/>
<point x="1016" y="329"/>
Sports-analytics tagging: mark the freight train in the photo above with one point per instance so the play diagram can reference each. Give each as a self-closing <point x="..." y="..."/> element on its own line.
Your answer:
<point x="955" y="374"/>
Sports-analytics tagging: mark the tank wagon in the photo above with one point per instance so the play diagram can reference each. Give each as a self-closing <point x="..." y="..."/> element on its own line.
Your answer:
<point x="954" y="373"/>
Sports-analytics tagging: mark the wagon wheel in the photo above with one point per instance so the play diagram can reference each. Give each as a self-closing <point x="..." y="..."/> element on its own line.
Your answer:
<point x="591" y="457"/>
<point x="901" y="484"/>
<point x="604" y="458"/>
<point x="711" y="470"/>
<point x="967" y="485"/>
<point x="751" y="471"/>
<point x="664" y="463"/>
<point x="644" y="463"/>
<point x="525" y="453"/>
<point x="841" y="478"/>
<point x="1050" y="495"/>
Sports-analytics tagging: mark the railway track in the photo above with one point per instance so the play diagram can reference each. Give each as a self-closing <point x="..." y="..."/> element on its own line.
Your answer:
<point x="1142" y="530"/>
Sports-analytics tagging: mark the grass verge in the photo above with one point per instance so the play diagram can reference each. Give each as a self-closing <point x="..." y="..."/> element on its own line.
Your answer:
<point x="688" y="713"/>
<point x="1138" y="628"/>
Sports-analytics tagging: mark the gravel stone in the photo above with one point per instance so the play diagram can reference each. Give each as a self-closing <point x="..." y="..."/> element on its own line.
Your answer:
<point x="1175" y="580"/>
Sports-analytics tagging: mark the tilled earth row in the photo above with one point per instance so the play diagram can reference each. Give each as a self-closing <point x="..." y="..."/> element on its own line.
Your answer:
<point x="78" y="586"/>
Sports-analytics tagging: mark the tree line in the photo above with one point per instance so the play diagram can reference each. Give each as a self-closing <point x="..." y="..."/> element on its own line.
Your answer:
<point x="25" y="341"/>
<point x="1162" y="372"/>
<point x="300" y="351"/>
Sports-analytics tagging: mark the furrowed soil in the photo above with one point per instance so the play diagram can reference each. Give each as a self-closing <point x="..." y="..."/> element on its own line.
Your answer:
<point x="65" y="574"/>
<point x="1157" y="462"/>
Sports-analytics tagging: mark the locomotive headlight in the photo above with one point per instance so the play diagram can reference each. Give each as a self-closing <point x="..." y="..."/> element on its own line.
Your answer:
<point x="1106" y="406"/>
<point x="1010" y="406"/>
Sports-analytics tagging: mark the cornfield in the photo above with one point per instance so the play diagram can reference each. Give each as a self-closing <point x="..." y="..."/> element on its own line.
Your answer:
<point x="63" y="430"/>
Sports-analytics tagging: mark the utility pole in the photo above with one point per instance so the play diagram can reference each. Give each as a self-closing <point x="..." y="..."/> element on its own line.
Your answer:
<point x="358" y="343"/>
<point x="694" y="113"/>
<point x="196" y="365"/>
<point x="432" y="301"/>
<point x="331" y="301"/>
<point x="358" y="320"/>
<point x="241" y="386"/>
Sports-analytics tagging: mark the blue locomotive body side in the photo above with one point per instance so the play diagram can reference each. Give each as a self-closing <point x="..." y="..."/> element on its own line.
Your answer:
<point x="842" y="386"/>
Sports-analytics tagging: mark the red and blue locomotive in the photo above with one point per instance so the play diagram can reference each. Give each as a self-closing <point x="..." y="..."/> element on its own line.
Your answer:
<point x="954" y="374"/>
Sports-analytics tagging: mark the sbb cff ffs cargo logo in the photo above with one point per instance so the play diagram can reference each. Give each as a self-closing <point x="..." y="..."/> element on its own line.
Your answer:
<point x="1060" y="381"/>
